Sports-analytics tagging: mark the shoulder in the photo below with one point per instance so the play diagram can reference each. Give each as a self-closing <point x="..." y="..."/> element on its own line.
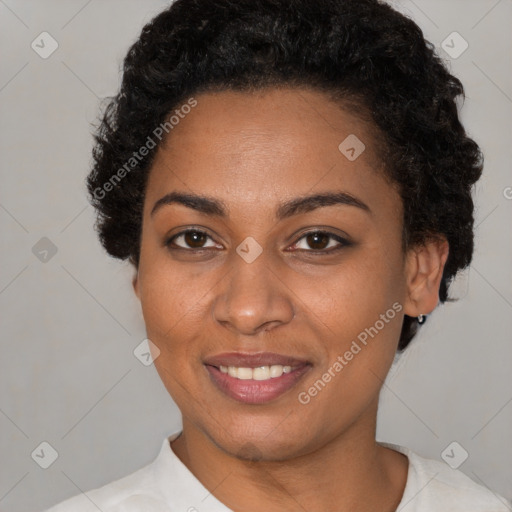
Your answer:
<point x="164" y="485"/>
<point x="432" y="485"/>
<point x="133" y="492"/>
<point x="141" y="490"/>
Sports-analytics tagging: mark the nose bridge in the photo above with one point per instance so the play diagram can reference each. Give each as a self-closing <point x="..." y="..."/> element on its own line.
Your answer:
<point x="252" y="297"/>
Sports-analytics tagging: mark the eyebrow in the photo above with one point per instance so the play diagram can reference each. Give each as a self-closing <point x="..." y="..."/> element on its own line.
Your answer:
<point x="298" y="205"/>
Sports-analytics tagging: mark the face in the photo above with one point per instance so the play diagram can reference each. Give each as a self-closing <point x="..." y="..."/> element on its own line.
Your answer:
<point x="265" y="277"/>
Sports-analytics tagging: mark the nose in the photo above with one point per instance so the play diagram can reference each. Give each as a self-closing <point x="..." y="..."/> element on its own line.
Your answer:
<point x="252" y="298"/>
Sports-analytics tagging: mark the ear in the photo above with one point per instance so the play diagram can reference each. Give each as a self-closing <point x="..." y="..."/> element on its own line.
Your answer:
<point x="424" y="270"/>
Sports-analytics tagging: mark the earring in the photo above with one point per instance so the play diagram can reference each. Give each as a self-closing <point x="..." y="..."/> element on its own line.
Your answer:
<point x="421" y="319"/>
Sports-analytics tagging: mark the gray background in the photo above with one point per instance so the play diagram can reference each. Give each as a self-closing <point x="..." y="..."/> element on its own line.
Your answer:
<point x="69" y="325"/>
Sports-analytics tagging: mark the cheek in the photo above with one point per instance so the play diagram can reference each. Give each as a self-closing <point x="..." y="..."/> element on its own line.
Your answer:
<point x="169" y="296"/>
<point x="170" y="306"/>
<point x="175" y="308"/>
<point x="354" y="293"/>
<point x="360" y="308"/>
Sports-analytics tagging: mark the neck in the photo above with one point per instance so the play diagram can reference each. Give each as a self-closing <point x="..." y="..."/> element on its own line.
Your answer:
<point x="350" y="472"/>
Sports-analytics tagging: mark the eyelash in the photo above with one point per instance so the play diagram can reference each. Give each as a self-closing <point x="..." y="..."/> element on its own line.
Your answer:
<point x="342" y="241"/>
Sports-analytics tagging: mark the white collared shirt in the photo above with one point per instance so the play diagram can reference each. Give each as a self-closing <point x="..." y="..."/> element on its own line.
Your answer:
<point x="167" y="485"/>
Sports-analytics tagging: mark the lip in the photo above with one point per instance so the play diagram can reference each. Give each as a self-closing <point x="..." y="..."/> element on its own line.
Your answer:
<point x="255" y="391"/>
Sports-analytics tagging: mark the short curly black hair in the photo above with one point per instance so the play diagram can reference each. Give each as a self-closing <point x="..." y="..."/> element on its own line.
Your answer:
<point x="362" y="52"/>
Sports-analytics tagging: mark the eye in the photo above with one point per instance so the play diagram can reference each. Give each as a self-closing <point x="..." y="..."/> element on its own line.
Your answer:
<point x="321" y="242"/>
<point x="194" y="239"/>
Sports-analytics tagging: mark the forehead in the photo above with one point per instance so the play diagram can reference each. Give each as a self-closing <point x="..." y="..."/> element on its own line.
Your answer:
<point x="275" y="144"/>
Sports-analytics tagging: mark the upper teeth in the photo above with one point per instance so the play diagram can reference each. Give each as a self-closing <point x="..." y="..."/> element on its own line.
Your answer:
<point x="260" y="373"/>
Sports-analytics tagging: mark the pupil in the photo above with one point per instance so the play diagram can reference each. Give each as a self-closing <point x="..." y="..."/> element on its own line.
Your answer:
<point x="194" y="237"/>
<point x="313" y="240"/>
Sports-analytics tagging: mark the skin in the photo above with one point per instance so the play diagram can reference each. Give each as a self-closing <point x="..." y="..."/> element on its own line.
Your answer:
<point x="254" y="151"/>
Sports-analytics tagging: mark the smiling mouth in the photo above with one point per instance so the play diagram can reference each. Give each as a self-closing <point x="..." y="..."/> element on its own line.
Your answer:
<point x="255" y="378"/>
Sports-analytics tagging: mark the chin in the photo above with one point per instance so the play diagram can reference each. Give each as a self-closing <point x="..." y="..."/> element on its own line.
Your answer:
<point x="254" y="443"/>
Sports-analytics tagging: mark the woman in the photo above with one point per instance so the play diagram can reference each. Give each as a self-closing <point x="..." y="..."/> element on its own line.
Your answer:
<point x="292" y="183"/>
